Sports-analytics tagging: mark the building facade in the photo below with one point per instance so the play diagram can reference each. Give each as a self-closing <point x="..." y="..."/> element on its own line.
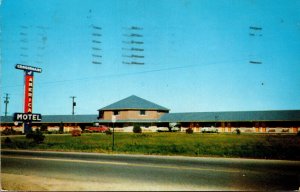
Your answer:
<point x="133" y="110"/>
<point x="52" y="122"/>
<point x="275" y="121"/>
<point x="153" y="117"/>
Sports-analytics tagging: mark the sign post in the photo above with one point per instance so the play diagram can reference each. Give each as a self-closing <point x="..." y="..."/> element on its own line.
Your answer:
<point x="28" y="96"/>
<point x="113" y="120"/>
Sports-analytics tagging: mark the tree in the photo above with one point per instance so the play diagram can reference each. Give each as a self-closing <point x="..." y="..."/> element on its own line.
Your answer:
<point x="189" y="131"/>
<point x="37" y="136"/>
<point x="137" y="128"/>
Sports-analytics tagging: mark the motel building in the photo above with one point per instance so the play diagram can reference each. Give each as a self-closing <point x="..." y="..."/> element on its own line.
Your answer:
<point x="153" y="117"/>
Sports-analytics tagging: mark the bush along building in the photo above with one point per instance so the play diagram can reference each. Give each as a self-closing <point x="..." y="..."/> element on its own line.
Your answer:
<point x="152" y="117"/>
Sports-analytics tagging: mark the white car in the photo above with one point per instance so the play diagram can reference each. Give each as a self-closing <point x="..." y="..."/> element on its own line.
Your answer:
<point x="209" y="130"/>
<point x="162" y="129"/>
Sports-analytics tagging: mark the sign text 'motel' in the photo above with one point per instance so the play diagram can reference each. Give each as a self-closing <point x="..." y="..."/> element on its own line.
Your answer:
<point x="27" y="117"/>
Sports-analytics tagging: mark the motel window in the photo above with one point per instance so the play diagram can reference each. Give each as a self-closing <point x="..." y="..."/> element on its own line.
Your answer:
<point x="142" y="112"/>
<point x="116" y="112"/>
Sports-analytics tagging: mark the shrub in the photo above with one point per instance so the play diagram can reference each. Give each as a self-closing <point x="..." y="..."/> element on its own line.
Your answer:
<point x="29" y="135"/>
<point x="36" y="135"/>
<point x="298" y="134"/>
<point x="76" y="132"/>
<point x="238" y="132"/>
<point x="9" y="131"/>
<point x="44" y="127"/>
<point x="108" y="132"/>
<point x="9" y="143"/>
<point x="18" y="133"/>
<point x="7" y="140"/>
<point x="137" y="129"/>
<point x="189" y="131"/>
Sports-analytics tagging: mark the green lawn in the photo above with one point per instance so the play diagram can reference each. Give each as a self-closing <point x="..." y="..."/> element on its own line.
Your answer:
<point x="217" y="145"/>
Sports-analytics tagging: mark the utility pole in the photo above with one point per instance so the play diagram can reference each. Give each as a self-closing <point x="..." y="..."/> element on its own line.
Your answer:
<point x="6" y="101"/>
<point x="73" y="104"/>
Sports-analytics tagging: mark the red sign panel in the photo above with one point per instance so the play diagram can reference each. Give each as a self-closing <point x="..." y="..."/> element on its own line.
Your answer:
<point x="28" y="93"/>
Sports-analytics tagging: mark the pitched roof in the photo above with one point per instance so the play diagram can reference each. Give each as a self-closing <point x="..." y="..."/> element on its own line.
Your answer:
<point x="134" y="102"/>
<point x="59" y="118"/>
<point x="69" y="118"/>
<point x="280" y="115"/>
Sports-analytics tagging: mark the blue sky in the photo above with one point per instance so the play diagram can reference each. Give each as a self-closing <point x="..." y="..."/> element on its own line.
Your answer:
<point x="196" y="54"/>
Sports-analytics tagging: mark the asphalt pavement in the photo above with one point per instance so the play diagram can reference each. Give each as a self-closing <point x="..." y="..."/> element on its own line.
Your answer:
<point x="91" y="171"/>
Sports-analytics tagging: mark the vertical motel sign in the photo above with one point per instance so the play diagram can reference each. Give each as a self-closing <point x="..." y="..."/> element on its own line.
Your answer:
<point x="28" y="93"/>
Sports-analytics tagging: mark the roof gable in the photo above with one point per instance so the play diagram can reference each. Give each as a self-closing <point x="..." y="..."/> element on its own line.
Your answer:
<point x="133" y="102"/>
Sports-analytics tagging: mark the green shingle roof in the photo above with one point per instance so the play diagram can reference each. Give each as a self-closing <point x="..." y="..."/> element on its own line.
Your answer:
<point x="280" y="115"/>
<point x="133" y="102"/>
<point x="69" y="118"/>
<point x="129" y="121"/>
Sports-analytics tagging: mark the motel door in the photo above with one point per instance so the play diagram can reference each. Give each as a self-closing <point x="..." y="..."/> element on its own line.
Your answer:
<point x="295" y="129"/>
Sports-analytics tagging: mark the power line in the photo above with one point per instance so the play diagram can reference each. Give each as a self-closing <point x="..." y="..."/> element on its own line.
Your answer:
<point x="133" y="73"/>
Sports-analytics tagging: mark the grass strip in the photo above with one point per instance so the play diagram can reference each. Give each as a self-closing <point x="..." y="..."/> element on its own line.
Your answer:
<point x="217" y="145"/>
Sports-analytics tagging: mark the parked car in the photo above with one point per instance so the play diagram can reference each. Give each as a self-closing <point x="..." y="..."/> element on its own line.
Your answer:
<point x="209" y="130"/>
<point x="162" y="129"/>
<point x="98" y="129"/>
<point x="175" y="129"/>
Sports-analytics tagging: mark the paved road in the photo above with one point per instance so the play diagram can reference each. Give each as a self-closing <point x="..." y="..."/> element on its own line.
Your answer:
<point x="86" y="171"/>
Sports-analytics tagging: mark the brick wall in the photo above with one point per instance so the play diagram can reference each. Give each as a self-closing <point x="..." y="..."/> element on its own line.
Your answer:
<point x="133" y="114"/>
